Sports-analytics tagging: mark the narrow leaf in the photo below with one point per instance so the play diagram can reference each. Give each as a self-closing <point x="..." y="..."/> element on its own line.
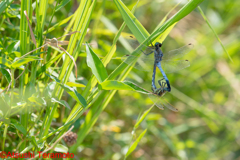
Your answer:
<point x="142" y="117"/>
<point x="115" y="85"/>
<point x="4" y="5"/>
<point x="134" y="145"/>
<point x="118" y="85"/>
<point x="205" y="18"/>
<point x="72" y="92"/>
<point x="133" y="24"/>
<point x="96" y="65"/>
<point x="5" y="73"/>
<point x="62" y="102"/>
<point x="72" y="84"/>
<point x="62" y="4"/>
<point x="20" y="62"/>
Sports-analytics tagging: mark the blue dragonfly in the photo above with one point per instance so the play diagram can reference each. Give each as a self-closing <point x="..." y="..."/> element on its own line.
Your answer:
<point x="166" y="63"/>
<point x="157" y="97"/>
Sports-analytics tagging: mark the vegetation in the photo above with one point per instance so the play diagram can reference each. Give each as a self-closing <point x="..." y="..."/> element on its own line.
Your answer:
<point x="50" y="90"/>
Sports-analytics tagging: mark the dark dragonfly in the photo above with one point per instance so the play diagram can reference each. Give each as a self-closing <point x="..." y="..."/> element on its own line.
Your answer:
<point x="166" y="63"/>
<point x="157" y="97"/>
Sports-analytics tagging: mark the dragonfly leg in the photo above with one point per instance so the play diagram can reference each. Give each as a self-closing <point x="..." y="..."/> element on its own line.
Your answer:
<point x="151" y="42"/>
<point x="162" y="83"/>
<point x="147" y="53"/>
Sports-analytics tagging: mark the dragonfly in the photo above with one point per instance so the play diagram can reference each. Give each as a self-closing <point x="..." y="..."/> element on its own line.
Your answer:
<point x="166" y="63"/>
<point x="157" y="96"/>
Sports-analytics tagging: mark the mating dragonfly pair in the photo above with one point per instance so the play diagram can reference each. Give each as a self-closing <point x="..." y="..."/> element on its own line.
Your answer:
<point x="166" y="63"/>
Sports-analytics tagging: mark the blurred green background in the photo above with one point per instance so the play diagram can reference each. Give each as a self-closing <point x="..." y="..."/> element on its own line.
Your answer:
<point x="206" y="93"/>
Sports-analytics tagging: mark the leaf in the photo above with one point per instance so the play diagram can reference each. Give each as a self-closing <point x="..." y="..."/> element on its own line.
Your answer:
<point x="72" y="84"/>
<point x="72" y="92"/>
<point x="62" y="4"/>
<point x="205" y="18"/>
<point x="136" y="87"/>
<point x="48" y="64"/>
<point x="18" y="126"/>
<point x="5" y="72"/>
<point x="115" y="85"/>
<point x="118" y="85"/>
<point x="38" y="100"/>
<point x="5" y="62"/>
<point x="142" y="117"/>
<point x="134" y="145"/>
<point x="133" y="24"/>
<point x="20" y="62"/>
<point x="96" y="65"/>
<point x="62" y="102"/>
<point x="61" y="148"/>
<point x="4" y="5"/>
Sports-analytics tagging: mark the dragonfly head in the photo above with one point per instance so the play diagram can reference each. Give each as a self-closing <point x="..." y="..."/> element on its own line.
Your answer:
<point x="158" y="45"/>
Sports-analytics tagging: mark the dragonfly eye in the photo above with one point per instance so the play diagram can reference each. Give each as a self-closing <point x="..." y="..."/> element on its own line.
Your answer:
<point x="160" y="44"/>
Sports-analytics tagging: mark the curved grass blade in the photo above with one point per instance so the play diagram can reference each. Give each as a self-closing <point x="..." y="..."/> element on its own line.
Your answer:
<point x="134" y="145"/>
<point x="205" y="18"/>
<point x="133" y="24"/>
<point x="118" y="85"/>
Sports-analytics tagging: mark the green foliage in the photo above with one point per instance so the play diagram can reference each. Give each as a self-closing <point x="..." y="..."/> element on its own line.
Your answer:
<point x="107" y="103"/>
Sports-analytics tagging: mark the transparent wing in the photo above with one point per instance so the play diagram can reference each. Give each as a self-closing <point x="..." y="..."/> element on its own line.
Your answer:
<point x="174" y="66"/>
<point x="141" y="62"/>
<point x="160" y="102"/>
<point x="145" y="60"/>
<point x="168" y="105"/>
<point x="177" y="53"/>
<point x="155" y="100"/>
<point x="134" y="43"/>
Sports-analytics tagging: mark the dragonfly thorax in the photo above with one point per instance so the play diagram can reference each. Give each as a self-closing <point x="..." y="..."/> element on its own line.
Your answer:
<point x="158" y="45"/>
<point x="158" y="53"/>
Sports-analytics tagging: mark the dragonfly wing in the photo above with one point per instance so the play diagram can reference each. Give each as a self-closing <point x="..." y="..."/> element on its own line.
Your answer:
<point x="144" y="57"/>
<point x="141" y="62"/>
<point x="177" y="53"/>
<point x="143" y="48"/>
<point x="168" y="105"/>
<point x="156" y="100"/>
<point x="174" y="66"/>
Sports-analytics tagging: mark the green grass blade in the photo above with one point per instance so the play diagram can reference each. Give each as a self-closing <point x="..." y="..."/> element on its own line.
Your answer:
<point x="96" y="65"/>
<point x="4" y="5"/>
<point x="25" y="60"/>
<point x="72" y="92"/>
<point x="143" y="117"/>
<point x="134" y="145"/>
<point x="115" y="85"/>
<point x="210" y="26"/>
<point x="134" y="25"/>
<point x="118" y="85"/>
<point x="61" y="5"/>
